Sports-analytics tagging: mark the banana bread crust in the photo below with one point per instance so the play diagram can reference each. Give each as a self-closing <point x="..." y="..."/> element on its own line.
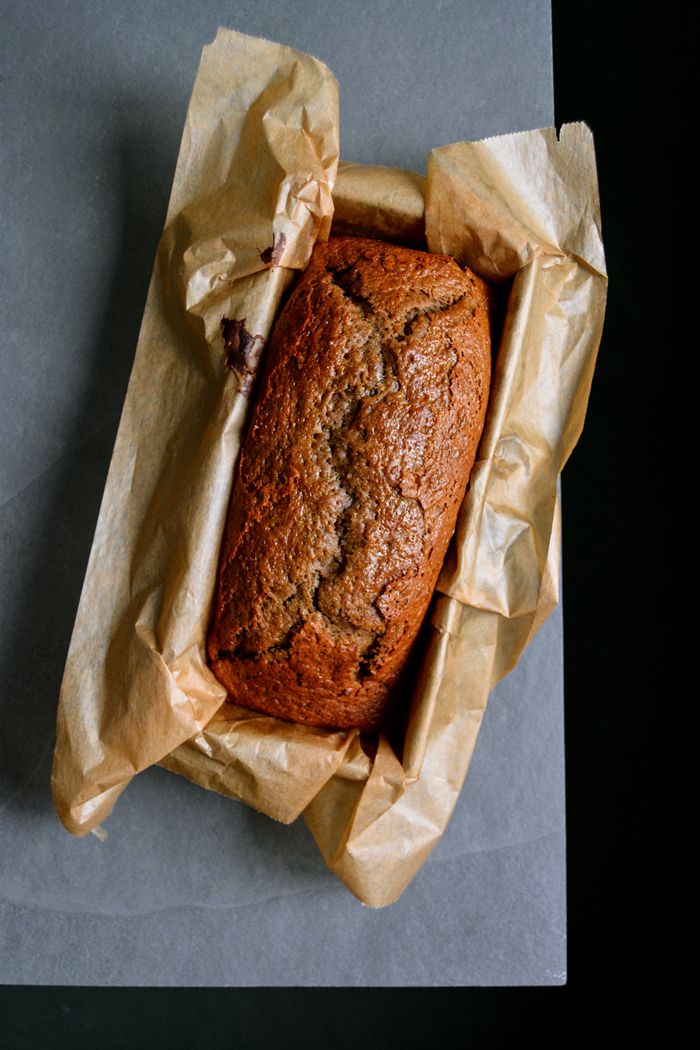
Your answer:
<point x="349" y="482"/>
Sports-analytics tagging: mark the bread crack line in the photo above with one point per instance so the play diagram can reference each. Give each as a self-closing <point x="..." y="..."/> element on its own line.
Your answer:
<point x="337" y="446"/>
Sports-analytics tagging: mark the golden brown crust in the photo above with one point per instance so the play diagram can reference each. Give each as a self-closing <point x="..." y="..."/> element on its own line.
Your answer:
<point x="349" y="482"/>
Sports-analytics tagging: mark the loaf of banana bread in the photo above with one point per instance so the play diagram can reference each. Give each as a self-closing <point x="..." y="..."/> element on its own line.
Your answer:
<point x="364" y="433"/>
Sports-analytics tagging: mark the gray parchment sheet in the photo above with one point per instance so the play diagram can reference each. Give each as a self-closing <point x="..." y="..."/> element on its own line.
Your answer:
<point x="87" y="177"/>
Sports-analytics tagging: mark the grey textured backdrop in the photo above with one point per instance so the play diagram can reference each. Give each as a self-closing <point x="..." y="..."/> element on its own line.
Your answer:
<point x="191" y="888"/>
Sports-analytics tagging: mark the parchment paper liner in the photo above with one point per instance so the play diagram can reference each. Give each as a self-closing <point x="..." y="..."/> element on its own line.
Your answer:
<point x="251" y="194"/>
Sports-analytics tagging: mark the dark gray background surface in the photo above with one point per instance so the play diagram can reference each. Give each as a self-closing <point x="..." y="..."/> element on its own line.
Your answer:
<point x="191" y="888"/>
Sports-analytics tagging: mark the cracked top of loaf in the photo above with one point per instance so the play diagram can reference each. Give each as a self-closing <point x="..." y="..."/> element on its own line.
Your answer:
<point x="348" y="485"/>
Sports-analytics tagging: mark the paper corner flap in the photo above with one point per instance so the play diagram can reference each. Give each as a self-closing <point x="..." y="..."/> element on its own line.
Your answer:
<point x="528" y="191"/>
<point x="79" y="819"/>
<point x="247" y="45"/>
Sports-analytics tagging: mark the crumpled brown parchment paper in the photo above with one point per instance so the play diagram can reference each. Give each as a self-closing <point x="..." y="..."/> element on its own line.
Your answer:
<point x="257" y="183"/>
